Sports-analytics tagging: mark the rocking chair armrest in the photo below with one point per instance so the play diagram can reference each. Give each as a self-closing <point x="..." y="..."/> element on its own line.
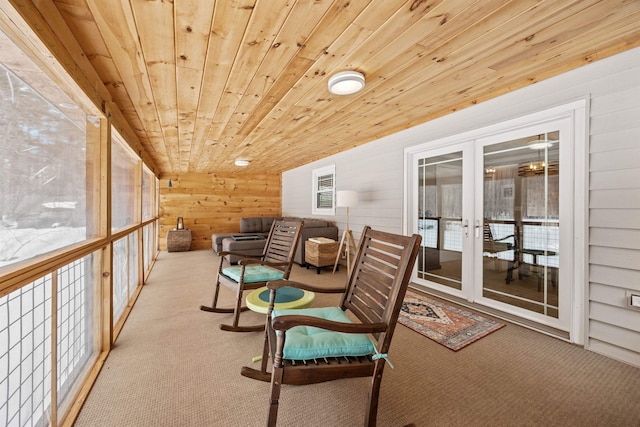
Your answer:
<point x="277" y="284"/>
<point x="286" y="322"/>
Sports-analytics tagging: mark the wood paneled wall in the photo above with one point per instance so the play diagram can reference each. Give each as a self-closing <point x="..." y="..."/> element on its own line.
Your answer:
<point x="211" y="203"/>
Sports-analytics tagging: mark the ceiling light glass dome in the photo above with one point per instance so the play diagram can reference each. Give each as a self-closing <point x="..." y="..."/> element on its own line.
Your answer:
<point x="346" y="83"/>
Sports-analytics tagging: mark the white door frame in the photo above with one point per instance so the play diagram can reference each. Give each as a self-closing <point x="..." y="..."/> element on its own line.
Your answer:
<point x="576" y="157"/>
<point x="467" y="150"/>
<point x="563" y="124"/>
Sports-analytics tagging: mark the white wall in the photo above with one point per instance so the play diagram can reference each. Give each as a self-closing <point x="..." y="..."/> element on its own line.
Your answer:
<point x="375" y="170"/>
<point x="614" y="217"/>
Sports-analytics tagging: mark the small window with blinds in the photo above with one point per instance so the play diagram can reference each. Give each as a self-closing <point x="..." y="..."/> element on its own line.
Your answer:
<point x="324" y="186"/>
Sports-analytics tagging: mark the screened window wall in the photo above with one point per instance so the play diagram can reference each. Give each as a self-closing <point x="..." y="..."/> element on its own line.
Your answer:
<point x="125" y="184"/>
<point x="59" y="260"/>
<point x="44" y="162"/>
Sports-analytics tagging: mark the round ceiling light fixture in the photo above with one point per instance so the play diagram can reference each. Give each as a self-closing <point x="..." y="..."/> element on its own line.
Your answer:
<point x="346" y="83"/>
<point x="242" y="162"/>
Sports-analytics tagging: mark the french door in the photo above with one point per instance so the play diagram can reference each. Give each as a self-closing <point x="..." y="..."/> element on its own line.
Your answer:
<point x="494" y="213"/>
<point x="442" y="217"/>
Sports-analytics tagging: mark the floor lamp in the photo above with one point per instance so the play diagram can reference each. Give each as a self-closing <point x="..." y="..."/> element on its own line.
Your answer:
<point x="346" y="199"/>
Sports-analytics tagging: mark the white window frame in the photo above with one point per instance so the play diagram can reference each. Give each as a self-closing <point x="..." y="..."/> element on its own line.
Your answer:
<point x="318" y="175"/>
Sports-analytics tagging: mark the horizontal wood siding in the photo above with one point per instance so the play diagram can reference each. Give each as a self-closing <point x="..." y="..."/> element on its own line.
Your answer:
<point x="621" y="337"/>
<point x="212" y="203"/>
<point x="614" y="179"/>
<point x="369" y="171"/>
<point x="376" y="171"/>
<point x="614" y="221"/>
<point x="620" y="238"/>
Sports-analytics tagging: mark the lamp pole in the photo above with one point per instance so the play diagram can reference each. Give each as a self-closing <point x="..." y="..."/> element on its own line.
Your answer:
<point x="346" y="199"/>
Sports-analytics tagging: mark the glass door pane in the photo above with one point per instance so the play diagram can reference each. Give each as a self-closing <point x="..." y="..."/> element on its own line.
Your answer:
<point x="440" y="219"/>
<point x="520" y="247"/>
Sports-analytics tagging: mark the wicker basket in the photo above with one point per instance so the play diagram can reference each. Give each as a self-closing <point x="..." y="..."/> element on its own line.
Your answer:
<point x="320" y="254"/>
<point x="178" y="240"/>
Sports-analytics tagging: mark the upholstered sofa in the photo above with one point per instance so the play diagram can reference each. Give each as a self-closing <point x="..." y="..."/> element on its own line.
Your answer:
<point x="261" y="226"/>
<point x="258" y="226"/>
<point x="248" y="226"/>
<point x="313" y="227"/>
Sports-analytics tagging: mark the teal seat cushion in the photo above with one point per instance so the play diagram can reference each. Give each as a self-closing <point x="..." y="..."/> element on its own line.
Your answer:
<point x="253" y="273"/>
<point x="307" y="342"/>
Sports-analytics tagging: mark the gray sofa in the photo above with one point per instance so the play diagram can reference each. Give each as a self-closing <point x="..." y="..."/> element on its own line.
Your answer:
<point x="261" y="226"/>
<point x="248" y="226"/>
<point x="313" y="227"/>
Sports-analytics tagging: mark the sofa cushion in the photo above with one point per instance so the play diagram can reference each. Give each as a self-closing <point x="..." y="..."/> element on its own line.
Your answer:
<point x="315" y="223"/>
<point x="310" y="222"/>
<point x="266" y="223"/>
<point x="251" y="225"/>
<point x="246" y="247"/>
<point x="258" y="224"/>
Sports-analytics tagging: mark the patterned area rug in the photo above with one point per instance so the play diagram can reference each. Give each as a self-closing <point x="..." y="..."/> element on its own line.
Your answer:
<point x="450" y="326"/>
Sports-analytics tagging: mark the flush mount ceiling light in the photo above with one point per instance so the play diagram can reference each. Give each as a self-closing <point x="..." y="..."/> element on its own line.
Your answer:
<point x="346" y="83"/>
<point x="242" y="162"/>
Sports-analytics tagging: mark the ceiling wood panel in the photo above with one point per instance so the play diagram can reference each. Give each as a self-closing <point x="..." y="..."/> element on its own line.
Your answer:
<point x="80" y="21"/>
<point x="192" y="29"/>
<point x="229" y="21"/>
<point x="262" y="94"/>
<point x="117" y="29"/>
<point x="264" y="25"/>
<point x="204" y="83"/>
<point x="152" y="62"/>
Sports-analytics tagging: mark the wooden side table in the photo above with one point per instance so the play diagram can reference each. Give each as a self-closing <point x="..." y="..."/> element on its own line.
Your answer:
<point x="320" y="253"/>
<point x="179" y="240"/>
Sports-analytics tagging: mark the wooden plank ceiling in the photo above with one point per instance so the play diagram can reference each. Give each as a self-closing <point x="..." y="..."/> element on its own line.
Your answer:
<point x="205" y="82"/>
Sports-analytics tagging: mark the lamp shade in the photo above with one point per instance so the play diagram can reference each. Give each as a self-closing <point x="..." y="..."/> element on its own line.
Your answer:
<point x="346" y="199"/>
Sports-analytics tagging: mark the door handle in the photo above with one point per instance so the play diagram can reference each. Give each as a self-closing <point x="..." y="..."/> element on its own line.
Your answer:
<point x="466" y="227"/>
<point x="477" y="228"/>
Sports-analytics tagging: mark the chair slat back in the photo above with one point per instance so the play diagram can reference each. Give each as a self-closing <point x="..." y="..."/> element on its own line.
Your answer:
<point x="380" y="278"/>
<point x="282" y="243"/>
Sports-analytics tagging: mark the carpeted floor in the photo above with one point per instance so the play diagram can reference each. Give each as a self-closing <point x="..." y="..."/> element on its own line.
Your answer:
<point x="173" y="366"/>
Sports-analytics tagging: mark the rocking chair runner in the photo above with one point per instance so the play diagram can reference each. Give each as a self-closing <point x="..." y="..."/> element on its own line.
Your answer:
<point x="253" y="272"/>
<point x="303" y="354"/>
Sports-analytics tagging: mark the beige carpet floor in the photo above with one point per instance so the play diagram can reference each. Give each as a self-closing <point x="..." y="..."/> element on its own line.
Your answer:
<point x="173" y="366"/>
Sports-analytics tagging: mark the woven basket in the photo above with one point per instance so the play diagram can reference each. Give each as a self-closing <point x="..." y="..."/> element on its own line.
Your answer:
<point x="178" y="240"/>
<point x="320" y="254"/>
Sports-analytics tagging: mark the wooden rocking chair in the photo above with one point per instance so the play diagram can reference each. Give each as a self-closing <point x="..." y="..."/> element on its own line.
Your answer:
<point x="253" y="272"/>
<point x="374" y="295"/>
